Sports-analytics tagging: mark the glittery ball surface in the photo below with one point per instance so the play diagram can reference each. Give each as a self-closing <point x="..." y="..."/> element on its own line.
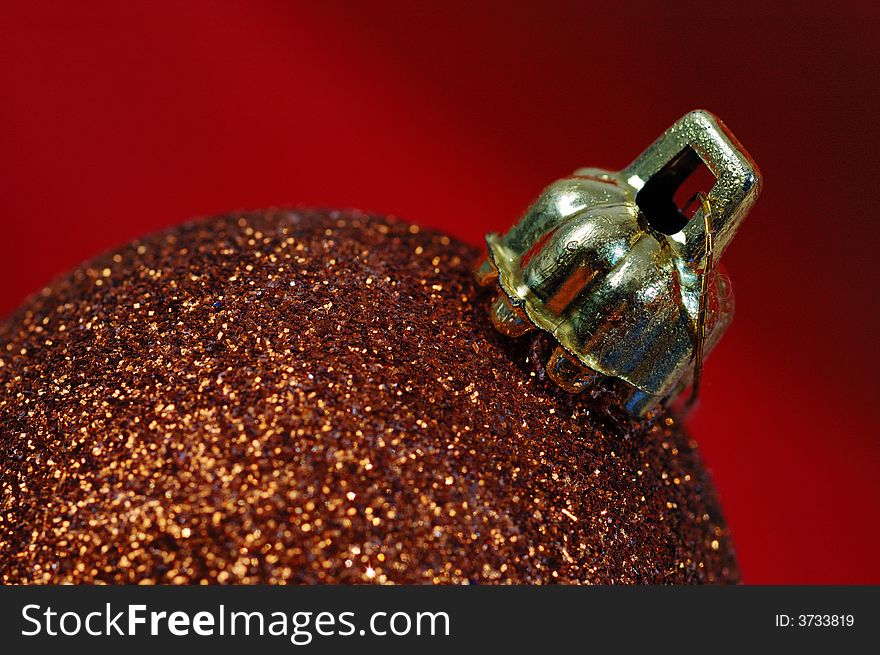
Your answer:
<point x="308" y="397"/>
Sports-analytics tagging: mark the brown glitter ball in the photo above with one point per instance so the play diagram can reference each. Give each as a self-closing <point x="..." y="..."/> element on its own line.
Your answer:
<point x="298" y="396"/>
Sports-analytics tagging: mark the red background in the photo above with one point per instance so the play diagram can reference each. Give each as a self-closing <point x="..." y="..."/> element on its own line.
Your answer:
<point x="118" y="119"/>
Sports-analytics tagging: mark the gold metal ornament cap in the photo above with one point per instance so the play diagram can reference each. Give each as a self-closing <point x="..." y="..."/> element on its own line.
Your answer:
<point x="623" y="279"/>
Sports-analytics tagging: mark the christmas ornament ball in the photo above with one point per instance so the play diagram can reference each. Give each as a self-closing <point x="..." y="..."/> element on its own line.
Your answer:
<point x="319" y="397"/>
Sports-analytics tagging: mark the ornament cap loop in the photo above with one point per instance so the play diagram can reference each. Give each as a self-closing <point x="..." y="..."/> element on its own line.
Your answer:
<point x="698" y="138"/>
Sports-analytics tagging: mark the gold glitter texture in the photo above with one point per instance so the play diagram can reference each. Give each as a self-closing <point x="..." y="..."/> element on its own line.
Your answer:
<point x="318" y="397"/>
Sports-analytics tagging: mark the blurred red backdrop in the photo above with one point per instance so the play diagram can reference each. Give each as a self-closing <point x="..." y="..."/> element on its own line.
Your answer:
<point x="119" y="119"/>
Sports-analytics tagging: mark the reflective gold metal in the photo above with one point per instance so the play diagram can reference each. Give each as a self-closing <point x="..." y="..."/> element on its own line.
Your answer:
<point x="624" y="280"/>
